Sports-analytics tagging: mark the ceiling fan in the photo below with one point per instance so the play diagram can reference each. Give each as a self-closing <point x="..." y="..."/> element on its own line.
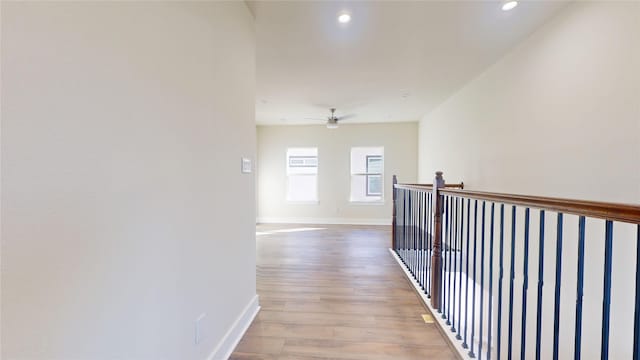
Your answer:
<point x="332" y="120"/>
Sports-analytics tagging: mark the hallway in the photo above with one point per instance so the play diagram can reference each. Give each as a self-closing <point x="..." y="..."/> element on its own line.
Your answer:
<point x="335" y="292"/>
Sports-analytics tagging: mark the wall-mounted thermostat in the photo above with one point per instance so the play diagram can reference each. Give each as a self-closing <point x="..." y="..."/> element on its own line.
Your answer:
<point x="246" y="165"/>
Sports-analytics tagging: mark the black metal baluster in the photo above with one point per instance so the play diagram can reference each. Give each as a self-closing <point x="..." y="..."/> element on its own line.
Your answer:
<point x="410" y="231"/>
<point x="500" y="280"/>
<point x="556" y="307"/>
<point x="398" y="221"/>
<point x="426" y="241"/>
<point x="454" y="232"/>
<point x="414" y="252"/>
<point x="443" y="302"/>
<point x="490" y="316"/>
<point x="404" y="226"/>
<point x="579" y="290"/>
<point x="413" y="235"/>
<point x="525" y="286"/>
<point x="473" y="296"/>
<point x="394" y="226"/>
<point x="443" y="249"/>
<point x="606" y="301"/>
<point x="409" y="228"/>
<point x="429" y="239"/>
<point x="540" y="284"/>
<point x="407" y="233"/>
<point x="401" y="210"/>
<point x="449" y="252"/>
<point x="409" y="225"/>
<point x="420" y="238"/>
<point x="443" y="279"/>
<point x="481" y="282"/>
<point x="458" y="336"/>
<point x="466" y="286"/>
<point x="636" y="314"/>
<point x="512" y="275"/>
<point x="423" y="221"/>
<point x="423" y="238"/>
<point x="417" y="238"/>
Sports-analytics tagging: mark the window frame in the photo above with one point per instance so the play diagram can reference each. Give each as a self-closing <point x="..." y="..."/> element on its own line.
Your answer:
<point x="303" y="157"/>
<point x="369" y="174"/>
<point x="369" y="198"/>
<point x="288" y="166"/>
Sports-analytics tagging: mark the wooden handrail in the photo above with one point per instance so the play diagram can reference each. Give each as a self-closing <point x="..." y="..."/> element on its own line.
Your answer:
<point x="421" y="187"/>
<point x="602" y="210"/>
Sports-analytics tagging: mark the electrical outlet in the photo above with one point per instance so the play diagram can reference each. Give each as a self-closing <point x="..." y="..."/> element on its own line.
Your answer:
<point x="198" y="330"/>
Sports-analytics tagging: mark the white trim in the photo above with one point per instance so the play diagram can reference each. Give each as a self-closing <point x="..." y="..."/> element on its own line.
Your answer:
<point x="457" y="344"/>
<point x="325" y="221"/>
<point x="225" y="347"/>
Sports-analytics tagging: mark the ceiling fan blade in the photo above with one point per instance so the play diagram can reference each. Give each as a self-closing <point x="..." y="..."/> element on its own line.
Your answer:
<point x="315" y="119"/>
<point x="348" y="116"/>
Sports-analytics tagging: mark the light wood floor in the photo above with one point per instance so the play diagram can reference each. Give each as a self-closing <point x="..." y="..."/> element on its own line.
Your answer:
<point x="335" y="293"/>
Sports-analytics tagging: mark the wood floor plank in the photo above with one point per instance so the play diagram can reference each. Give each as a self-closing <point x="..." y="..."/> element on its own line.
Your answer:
<point x="341" y="319"/>
<point x="353" y="308"/>
<point x="248" y="356"/>
<point x="291" y="331"/>
<point x="334" y="292"/>
<point x="260" y="345"/>
<point x="365" y="350"/>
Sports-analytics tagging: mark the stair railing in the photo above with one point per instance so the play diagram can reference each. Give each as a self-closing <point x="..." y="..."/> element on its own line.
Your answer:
<point x="471" y="253"/>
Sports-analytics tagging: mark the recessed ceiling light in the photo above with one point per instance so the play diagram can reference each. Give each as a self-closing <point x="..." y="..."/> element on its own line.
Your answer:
<point x="509" y="4"/>
<point x="344" y="18"/>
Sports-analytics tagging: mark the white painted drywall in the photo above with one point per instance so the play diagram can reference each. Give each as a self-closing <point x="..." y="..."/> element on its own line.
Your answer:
<point x="334" y="177"/>
<point x="557" y="116"/>
<point x="124" y="212"/>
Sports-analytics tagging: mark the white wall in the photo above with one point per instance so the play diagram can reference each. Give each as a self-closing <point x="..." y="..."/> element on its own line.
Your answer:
<point x="557" y="116"/>
<point x="334" y="178"/>
<point x="123" y="125"/>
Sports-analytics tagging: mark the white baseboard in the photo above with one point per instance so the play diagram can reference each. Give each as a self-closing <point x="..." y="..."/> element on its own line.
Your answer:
<point x="231" y="339"/>
<point x="321" y="221"/>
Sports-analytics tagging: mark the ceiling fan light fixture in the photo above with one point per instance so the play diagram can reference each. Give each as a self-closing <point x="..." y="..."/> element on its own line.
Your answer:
<point x="332" y="125"/>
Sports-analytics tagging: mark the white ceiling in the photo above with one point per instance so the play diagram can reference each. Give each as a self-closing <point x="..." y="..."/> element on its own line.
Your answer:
<point x="307" y="62"/>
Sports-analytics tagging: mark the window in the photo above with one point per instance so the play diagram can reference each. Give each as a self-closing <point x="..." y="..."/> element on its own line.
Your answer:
<point x="367" y="174"/>
<point x="302" y="174"/>
<point x="374" y="175"/>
